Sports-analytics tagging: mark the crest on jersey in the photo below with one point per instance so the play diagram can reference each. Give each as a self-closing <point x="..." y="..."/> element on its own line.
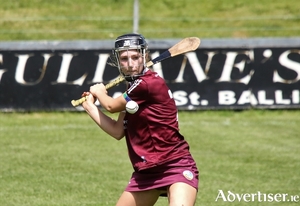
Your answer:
<point x="188" y="174"/>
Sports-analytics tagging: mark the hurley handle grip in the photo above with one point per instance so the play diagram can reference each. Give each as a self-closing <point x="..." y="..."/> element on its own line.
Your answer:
<point x="111" y="84"/>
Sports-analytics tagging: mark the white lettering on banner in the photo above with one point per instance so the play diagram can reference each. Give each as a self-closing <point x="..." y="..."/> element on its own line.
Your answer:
<point x="200" y="74"/>
<point x="20" y="70"/>
<point x="229" y="65"/>
<point x="2" y="71"/>
<point x="180" y="98"/>
<point x="210" y="55"/>
<point x="288" y="63"/>
<point x="179" y="78"/>
<point x="228" y="97"/>
<point x="279" y="98"/>
<point x="295" y="97"/>
<point x="157" y="67"/>
<point x="247" y="97"/>
<point x="100" y="68"/>
<point x="234" y="60"/>
<point x="194" y="62"/>
<point x="196" y="66"/>
<point x="64" y="70"/>
<point x="261" y="95"/>
<point x="208" y="67"/>
<point x="194" y="98"/>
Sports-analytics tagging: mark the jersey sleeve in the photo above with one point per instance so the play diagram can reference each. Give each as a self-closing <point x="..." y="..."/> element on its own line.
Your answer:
<point x="138" y="91"/>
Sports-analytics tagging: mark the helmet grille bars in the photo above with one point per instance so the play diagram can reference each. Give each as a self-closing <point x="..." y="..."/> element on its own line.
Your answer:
<point x="130" y="42"/>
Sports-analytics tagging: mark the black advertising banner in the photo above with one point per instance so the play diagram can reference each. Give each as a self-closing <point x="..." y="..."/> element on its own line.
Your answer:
<point x="208" y="78"/>
<point x="236" y="78"/>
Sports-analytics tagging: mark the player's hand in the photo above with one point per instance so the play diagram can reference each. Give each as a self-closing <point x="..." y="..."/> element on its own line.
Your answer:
<point x="89" y="97"/>
<point x="98" y="89"/>
<point x="84" y="94"/>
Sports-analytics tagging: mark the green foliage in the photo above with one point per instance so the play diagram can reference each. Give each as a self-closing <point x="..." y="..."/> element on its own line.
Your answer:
<point x="65" y="159"/>
<point x="102" y="19"/>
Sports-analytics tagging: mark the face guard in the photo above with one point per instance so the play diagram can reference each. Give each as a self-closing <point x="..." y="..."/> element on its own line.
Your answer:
<point x="130" y="42"/>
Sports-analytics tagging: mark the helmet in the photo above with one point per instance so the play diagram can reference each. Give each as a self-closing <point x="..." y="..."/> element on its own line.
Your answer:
<point x="129" y="42"/>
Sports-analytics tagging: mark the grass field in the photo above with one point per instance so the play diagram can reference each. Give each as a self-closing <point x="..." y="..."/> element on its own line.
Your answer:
<point x="64" y="159"/>
<point x="102" y="19"/>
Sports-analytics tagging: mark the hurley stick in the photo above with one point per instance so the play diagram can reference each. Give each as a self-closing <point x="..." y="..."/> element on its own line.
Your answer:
<point x="185" y="45"/>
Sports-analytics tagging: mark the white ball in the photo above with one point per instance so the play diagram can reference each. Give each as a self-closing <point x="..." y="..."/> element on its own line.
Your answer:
<point x="132" y="107"/>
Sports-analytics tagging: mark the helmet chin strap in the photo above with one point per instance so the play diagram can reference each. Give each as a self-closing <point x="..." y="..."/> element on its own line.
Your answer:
<point x="132" y="78"/>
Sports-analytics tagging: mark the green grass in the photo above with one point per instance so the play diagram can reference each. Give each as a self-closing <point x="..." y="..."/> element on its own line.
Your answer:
<point x="64" y="159"/>
<point x="103" y="19"/>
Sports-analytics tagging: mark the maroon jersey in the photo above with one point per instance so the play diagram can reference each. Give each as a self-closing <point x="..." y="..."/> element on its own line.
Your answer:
<point x="152" y="133"/>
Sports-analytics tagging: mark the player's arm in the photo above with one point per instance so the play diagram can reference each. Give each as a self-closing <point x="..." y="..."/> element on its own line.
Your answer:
<point x="114" y="128"/>
<point x="108" y="103"/>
